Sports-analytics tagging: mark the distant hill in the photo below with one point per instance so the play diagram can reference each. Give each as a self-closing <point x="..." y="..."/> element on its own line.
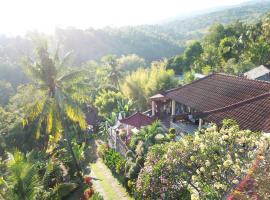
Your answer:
<point x="146" y="42"/>
<point x="195" y="27"/>
<point x="151" y="42"/>
<point x="155" y="41"/>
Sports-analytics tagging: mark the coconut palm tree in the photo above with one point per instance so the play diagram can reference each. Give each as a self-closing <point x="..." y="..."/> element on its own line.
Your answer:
<point x="22" y="181"/>
<point x="147" y="135"/>
<point x="114" y="72"/>
<point x="62" y="93"/>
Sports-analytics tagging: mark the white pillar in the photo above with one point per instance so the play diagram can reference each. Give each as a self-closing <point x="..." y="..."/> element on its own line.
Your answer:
<point x="173" y="107"/>
<point x="200" y="123"/>
<point x="153" y="108"/>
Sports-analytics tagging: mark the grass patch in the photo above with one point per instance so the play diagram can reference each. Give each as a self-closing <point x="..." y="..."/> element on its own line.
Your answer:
<point x="106" y="183"/>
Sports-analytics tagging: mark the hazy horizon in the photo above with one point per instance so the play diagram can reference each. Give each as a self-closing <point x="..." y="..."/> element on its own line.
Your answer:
<point x="45" y="16"/>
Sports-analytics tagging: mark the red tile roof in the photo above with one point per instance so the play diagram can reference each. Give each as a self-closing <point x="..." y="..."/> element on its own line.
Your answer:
<point x="217" y="91"/>
<point x="138" y="120"/>
<point x="253" y="113"/>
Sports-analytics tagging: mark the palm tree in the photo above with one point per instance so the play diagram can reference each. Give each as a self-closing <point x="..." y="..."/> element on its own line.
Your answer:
<point x="114" y="73"/>
<point x="147" y="135"/>
<point x="62" y="94"/>
<point x="22" y="179"/>
<point x="23" y="182"/>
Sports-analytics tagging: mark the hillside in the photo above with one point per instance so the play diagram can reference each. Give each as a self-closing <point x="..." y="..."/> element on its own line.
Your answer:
<point x="248" y="12"/>
<point x="151" y="42"/>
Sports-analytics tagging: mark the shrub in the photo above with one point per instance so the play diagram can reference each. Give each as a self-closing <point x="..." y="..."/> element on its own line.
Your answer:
<point x="102" y="149"/>
<point x="120" y="166"/>
<point x="131" y="185"/>
<point x="114" y="161"/>
<point x="171" y="131"/>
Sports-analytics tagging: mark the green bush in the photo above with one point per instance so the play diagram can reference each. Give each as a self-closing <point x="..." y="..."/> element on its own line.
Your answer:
<point x="171" y="131"/>
<point x="120" y="166"/>
<point x="102" y="149"/>
<point x="114" y="161"/>
<point x="131" y="185"/>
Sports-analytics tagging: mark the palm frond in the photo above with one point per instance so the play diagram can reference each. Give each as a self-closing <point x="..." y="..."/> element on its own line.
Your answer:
<point x="66" y="58"/>
<point x="71" y="109"/>
<point x="57" y="127"/>
<point x="34" y="111"/>
<point x="75" y="114"/>
<point x="72" y="77"/>
<point x="23" y="178"/>
<point x="33" y="71"/>
<point x="62" y="190"/>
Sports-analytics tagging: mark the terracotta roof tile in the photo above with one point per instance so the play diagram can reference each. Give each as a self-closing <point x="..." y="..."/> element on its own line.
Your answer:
<point x="217" y="91"/>
<point x="138" y="120"/>
<point x="253" y="113"/>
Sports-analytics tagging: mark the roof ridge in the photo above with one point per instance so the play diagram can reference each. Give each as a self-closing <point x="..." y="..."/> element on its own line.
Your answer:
<point x="244" y="77"/>
<point x="182" y="86"/>
<point x="252" y="99"/>
<point x="136" y="114"/>
<point x="218" y="73"/>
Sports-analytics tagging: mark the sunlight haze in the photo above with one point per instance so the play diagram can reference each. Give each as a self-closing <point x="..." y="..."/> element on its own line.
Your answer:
<point x="18" y="17"/>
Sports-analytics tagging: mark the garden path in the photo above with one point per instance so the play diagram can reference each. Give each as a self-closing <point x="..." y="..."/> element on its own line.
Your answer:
<point x="106" y="184"/>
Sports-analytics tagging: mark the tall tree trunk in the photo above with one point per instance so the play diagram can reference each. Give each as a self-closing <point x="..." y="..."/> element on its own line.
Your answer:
<point x="77" y="164"/>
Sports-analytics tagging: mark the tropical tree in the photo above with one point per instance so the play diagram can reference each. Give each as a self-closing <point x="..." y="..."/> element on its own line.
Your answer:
<point x="189" y="77"/>
<point x="147" y="136"/>
<point x="142" y="83"/>
<point x="22" y="182"/>
<point x="108" y="102"/>
<point x="62" y="93"/>
<point x="114" y="73"/>
<point x="130" y="62"/>
<point x="6" y="91"/>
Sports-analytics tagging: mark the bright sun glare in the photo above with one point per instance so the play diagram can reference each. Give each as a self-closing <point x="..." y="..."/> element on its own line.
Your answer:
<point x="19" y="16"/>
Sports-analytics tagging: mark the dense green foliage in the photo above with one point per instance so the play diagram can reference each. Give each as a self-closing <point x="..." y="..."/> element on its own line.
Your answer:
<point x="143" y="83"/>
<point x="109" y="102"/>
<point x="233" y="49"/>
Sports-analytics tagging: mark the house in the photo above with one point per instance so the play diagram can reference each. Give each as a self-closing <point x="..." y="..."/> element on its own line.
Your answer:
<point x="212" y="99"/>
<point x="261" y="72"/>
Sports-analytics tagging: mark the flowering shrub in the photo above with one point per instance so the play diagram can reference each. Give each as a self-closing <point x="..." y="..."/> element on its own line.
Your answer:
<point x="206" y="165"/>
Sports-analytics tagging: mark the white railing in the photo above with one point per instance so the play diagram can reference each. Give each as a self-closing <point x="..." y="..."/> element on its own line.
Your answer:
<point x="182" y="128"/>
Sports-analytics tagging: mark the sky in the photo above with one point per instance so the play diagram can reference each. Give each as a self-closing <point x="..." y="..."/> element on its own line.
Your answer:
<point x="20" y="16"/>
